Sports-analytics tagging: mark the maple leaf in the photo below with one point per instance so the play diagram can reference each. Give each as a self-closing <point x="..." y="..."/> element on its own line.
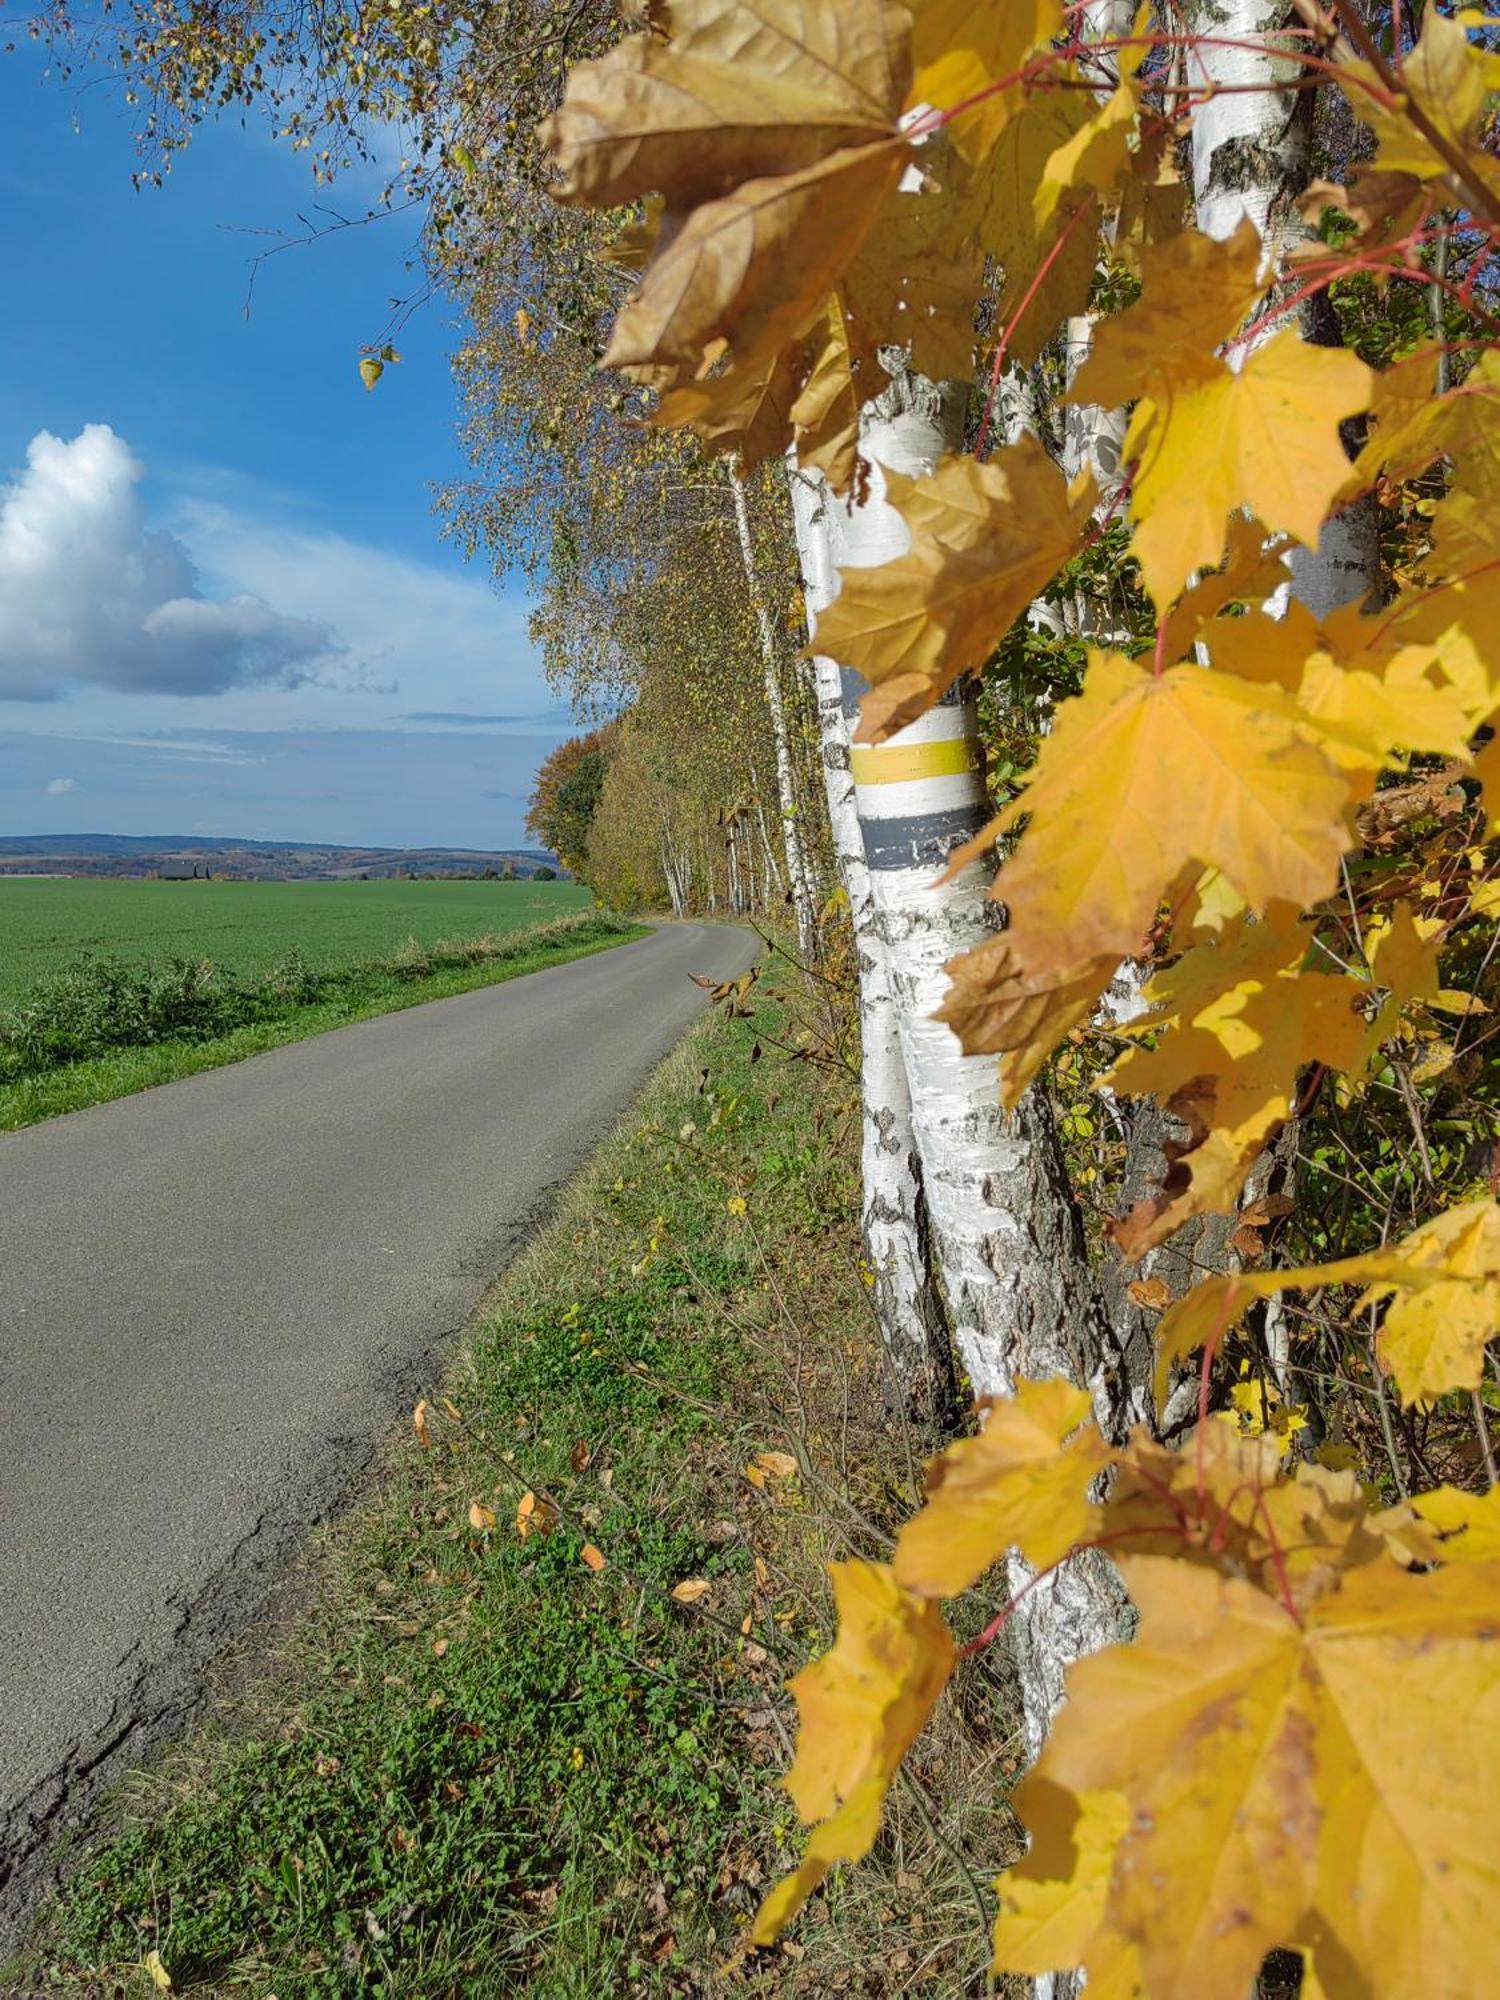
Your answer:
<point x="1210" y="441"/>
<point x="1359" y="696"/>
<point x="963" y="47"/>
<point x="1143" y="776"/>
<point x="1022" y="1483"/>
<point x="748" y="411"/>
<point x="1450" y="80"/>
<point x="1267" y="1789"/>
<point x="985" y="538"/>
<point x="995" y="1003"/>
<point x="1052" y="1903"/>
<point x="1241" y="1016"/>
<point x="999" y="210"/>
<point x="1433" y="1336"/>
<point x="772" y="131"/>
<point x="1195" y="292"/>
<point x="1443" y="1280"/>
<point x="861" y="1707"/>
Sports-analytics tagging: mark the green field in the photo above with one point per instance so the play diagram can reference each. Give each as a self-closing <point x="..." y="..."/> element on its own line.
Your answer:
<point x="248" y="927"/>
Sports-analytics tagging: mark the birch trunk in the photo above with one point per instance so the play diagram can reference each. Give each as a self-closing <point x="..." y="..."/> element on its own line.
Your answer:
<point x="799" y="874"/>
<point x="1021" y="1298"/>
<point x="1252" y="157"/>
<point x="893" y="1214"/>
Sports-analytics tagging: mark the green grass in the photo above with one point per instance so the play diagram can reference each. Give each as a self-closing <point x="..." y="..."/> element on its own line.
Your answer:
<point x="474" y="1766"/>
<point x="247" y="927"/>
<point x="485" y="1768"/>
<point x="349" y="993"/>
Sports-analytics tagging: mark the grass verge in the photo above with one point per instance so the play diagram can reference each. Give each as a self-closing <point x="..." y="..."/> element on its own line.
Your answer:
<point x="483" y="1763"/>
<point x="316" y="1003"/>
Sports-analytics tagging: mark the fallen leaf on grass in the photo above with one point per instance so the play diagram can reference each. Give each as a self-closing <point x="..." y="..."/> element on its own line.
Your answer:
<point x="580" y="1455"/>
<point x="420" y="1425"/>
<point x="481" y="1517"/>
<point x="439" y="1647"/>
<point x="160" y="1977"/>
<point x="534" y="1515"/>
<point x="592" y="1556"/>
<point x="691" y="1589"/>
<point x="780" y="1464"/>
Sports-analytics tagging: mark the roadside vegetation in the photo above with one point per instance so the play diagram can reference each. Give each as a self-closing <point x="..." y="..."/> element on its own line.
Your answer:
<point x="527" y="1737"/>
<point x="103" y="1027"/>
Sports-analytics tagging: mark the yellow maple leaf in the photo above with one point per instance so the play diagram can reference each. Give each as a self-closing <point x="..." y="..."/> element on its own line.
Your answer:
<point x="1145" y="775"/>
<point x="1268" y="1792"/>
<point x="961" y="48"/>
<point x="985" y="538"/>
<point x="995" y="1003"/>
<point x="1433" y="1336"/>
<point x="1450" y="80"/>
<point x="1212" y="440"/>
<point x="1052" y="1903"/>
<point x="1443" y="1280"/>
<point x="1240" y="1017"/>
<point x="998" y="209"/>
<point x="772" y="132"/>
<point x="1195" y="292"/>
<point x="860" y="1709"/>
<point x="1022" y="1483"/>
<point x="1360" y="696"/>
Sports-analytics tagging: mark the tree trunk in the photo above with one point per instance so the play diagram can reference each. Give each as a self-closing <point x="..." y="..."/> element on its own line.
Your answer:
<point x="893" y="1214"/>
<point x="799" y="875"/>
<point x="1021" y="1298"/>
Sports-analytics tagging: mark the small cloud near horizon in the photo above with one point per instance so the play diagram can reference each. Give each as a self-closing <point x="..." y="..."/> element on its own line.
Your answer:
<point x="58" y="786"/>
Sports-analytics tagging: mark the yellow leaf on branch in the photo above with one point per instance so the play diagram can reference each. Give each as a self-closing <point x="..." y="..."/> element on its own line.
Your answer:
<point x="1450" y="80"/>
<point x="861" y="1707"/>
<point x="985" y="539"/>
<point x="1195" y="293"/>
<point x="1434" y="1335"/>
<point x="1241" y="1017"/>
<point x="1022" y="1483"/>
<point x="1268" y="1791"/>
<point x="1443" y="1281"/>
<point x="1143" y="775"/>
<point x="1052" y="1903"/>
<point x="964" y="47"/>
<point x="772" y="131"/>
<point x="1265" y="437"/>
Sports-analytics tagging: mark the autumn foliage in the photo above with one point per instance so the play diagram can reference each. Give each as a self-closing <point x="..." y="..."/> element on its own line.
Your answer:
<point x="1298" y="1747"/>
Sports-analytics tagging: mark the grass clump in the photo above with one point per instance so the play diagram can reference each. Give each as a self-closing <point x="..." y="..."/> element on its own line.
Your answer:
<point x="102" y="1027"/>
<point x="483" y="1763"/>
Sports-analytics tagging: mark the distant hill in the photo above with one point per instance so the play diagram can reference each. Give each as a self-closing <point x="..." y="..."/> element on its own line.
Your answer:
<point x="259" y="860"/>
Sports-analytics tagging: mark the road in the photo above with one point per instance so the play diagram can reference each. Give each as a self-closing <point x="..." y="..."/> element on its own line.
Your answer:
<point x="220" y="1295"/>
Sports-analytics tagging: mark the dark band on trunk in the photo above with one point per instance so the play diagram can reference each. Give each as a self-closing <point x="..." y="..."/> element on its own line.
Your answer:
<point x="920" y="840"/>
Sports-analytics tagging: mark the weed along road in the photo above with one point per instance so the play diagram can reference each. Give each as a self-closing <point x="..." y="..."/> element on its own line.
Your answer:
<point x="219" y="1296"/>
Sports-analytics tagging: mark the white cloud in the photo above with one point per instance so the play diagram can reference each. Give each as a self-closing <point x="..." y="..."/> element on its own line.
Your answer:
<point x="89" y="593"/>
<point x="58" y="786"/>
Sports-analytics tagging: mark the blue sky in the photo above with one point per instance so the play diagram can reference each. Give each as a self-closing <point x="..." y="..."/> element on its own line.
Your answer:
<point x="224" y="601"/>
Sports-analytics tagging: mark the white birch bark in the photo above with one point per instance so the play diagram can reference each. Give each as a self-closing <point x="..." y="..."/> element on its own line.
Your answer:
<point x="906" y="1303"/>
<point x="1021" y="1298"/>
<point x="799" y="873"/>
<point x="1250" y="157"/>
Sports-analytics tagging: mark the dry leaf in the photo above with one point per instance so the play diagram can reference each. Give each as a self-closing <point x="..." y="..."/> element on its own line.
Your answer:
<point x="691" y="1589"/>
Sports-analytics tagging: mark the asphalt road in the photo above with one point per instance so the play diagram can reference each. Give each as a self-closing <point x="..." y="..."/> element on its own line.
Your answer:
<point x="217" y="1299"/>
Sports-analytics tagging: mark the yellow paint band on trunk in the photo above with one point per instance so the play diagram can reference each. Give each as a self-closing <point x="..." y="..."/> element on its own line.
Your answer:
<point x="899" y="763"/>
